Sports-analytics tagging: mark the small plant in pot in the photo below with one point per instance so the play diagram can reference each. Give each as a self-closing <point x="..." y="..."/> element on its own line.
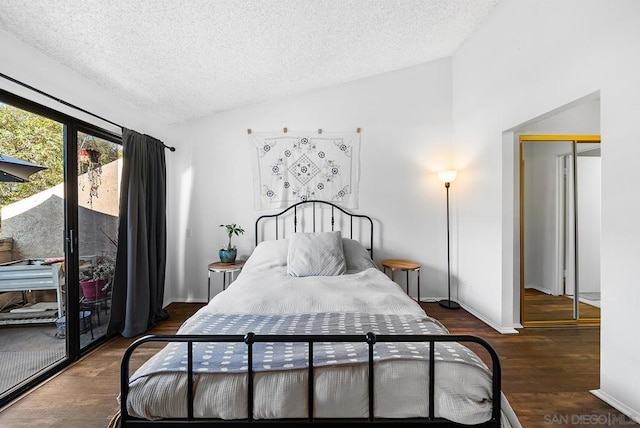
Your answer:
<point x="229" y="252"/>
<point x="95" y="279"/>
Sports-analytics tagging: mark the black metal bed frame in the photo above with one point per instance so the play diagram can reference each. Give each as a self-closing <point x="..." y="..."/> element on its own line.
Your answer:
<point x="250" y="338"/>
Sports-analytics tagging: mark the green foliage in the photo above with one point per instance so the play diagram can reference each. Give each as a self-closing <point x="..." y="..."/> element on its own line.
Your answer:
<point x="102" y="268"/>
<point x="35" y="139"/>
<point x="232" y="229"/>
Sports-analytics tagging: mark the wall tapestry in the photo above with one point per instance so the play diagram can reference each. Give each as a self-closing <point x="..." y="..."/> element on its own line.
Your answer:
<point x="297" y="166"/>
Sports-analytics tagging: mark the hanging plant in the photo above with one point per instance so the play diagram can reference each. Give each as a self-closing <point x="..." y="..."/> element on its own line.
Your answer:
<point x="89" y="165"/>
<point x="94" y="156"/>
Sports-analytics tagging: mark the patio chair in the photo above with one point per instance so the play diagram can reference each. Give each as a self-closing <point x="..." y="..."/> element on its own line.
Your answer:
<point x="97" y="300"/>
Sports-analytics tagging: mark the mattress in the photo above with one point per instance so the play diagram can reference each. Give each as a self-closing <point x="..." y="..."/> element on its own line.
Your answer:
<point x="264" y="288"/>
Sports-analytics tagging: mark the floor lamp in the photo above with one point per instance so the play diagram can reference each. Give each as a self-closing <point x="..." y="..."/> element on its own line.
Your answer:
<point x="447" y="177"/>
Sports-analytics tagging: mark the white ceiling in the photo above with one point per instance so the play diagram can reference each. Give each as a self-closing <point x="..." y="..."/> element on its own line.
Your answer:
<point x="183" y="59"/>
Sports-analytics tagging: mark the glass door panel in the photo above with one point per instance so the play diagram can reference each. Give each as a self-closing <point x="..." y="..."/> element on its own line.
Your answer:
<point x="544" y="220"/>
<point x="588" y="203"/>
<point x="99" y="172"/>
<point x="560" y="231"/>
<point x="32" y="281"/>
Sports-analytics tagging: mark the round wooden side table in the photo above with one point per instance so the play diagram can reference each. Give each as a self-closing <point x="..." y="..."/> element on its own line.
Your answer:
<point x="227" y="269"/>
<point x="403" y="265"/>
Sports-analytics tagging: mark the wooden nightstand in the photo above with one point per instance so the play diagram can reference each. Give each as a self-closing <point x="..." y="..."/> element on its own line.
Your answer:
<point x="403" y="265"/>
<point x="227" y="269"/>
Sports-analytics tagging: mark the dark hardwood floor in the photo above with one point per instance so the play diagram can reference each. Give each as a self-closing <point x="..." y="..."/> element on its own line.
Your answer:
<point x="547" y="375"/>
<point x="539" y="306"/>
<point x="547" y="372"/>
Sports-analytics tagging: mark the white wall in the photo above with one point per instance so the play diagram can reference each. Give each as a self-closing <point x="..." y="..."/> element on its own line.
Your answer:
<point x="405" y="117"/>
<point x="26" y="64"/>
<point x="528" y="58"/>
<point x="589" y="222"/>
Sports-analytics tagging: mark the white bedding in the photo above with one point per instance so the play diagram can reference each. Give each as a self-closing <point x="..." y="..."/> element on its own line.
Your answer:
<point x="463" y="393"/>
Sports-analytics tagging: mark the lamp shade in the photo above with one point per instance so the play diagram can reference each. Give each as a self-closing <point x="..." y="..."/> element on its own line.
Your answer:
<point x="447" y="176"/>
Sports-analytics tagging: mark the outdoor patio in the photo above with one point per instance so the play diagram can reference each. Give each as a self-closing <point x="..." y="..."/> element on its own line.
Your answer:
<point x="27" y="349"/>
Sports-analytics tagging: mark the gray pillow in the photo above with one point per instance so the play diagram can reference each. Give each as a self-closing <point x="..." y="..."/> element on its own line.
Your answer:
<point x="356" y="256"/>
<point x="316" y="254"/>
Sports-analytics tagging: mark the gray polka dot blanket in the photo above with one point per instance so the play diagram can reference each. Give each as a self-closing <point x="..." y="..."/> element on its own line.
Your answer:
<point x="232" y="357"/>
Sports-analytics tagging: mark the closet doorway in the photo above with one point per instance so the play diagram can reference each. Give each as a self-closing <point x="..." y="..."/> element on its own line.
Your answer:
<point x="560" y="229"/>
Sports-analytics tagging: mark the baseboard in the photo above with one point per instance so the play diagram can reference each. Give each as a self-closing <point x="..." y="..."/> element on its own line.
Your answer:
<point x="498" y="328"/>
<point x="183" y="300"/>
<point x="632" y="414"/>
<point x="540" y="289"/>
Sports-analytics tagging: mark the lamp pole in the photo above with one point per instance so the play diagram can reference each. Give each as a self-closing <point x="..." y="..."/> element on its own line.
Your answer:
<point x="448" y="303"/>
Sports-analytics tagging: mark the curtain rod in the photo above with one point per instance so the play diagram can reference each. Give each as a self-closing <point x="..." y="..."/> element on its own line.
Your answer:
<point x="285" y="130"/>
<point x="68" y="104"/>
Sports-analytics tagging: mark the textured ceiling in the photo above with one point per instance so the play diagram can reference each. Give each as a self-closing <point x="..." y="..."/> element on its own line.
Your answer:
<point x="183" y="59"/>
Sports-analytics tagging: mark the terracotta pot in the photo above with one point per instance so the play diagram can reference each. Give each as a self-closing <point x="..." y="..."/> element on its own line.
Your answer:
<point x="92" y="290"/>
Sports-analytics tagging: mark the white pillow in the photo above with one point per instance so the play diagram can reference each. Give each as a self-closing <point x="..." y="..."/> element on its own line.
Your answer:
<point x="356" y="255"/>
<point x="316" y="254"/>
<point x="268" y="255"/>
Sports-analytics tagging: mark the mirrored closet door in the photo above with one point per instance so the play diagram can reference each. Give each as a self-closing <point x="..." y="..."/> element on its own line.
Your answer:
<point x="560" y="229"/>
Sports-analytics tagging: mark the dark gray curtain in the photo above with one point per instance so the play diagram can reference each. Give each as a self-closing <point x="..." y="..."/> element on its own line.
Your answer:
<point x="138" y="285"/>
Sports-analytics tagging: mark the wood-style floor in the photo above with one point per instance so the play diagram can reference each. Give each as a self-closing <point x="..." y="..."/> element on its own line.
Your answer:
<point x="539" y="306"/>
<point x="547" y="372"/>
<point x="547" y="376"/>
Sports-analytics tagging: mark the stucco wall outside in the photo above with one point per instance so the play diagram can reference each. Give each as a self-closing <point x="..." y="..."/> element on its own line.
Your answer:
<point x="36" y="224"/>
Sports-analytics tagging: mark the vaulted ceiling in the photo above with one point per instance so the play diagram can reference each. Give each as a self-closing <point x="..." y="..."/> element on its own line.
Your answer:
<point x="183" y="59"/>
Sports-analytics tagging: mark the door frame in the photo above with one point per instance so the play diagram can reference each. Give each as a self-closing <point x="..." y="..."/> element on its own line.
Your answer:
<point x="71" y="125"/>
<point x="548" y="138"/>
<point x="562" y="225"/>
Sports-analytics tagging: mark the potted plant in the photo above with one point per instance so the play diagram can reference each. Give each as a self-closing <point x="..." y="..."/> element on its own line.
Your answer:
<point x="95" y="278"/>
<point x="229" y="252"/>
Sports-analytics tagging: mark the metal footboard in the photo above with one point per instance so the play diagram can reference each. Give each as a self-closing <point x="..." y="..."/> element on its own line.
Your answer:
<point x="250" y="338"/>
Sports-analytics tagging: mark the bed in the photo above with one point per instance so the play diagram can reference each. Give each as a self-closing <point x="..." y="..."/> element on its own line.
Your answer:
<point x="311" y="331"/>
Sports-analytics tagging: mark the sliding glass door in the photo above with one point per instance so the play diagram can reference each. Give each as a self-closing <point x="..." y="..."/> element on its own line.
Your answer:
<point x="59" y="199"/>
<point x="32" y="280"/>
<point x="99" y="171"/>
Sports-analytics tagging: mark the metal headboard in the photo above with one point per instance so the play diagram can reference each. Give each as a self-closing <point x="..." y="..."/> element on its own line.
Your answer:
<point x="315" y="209"/>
